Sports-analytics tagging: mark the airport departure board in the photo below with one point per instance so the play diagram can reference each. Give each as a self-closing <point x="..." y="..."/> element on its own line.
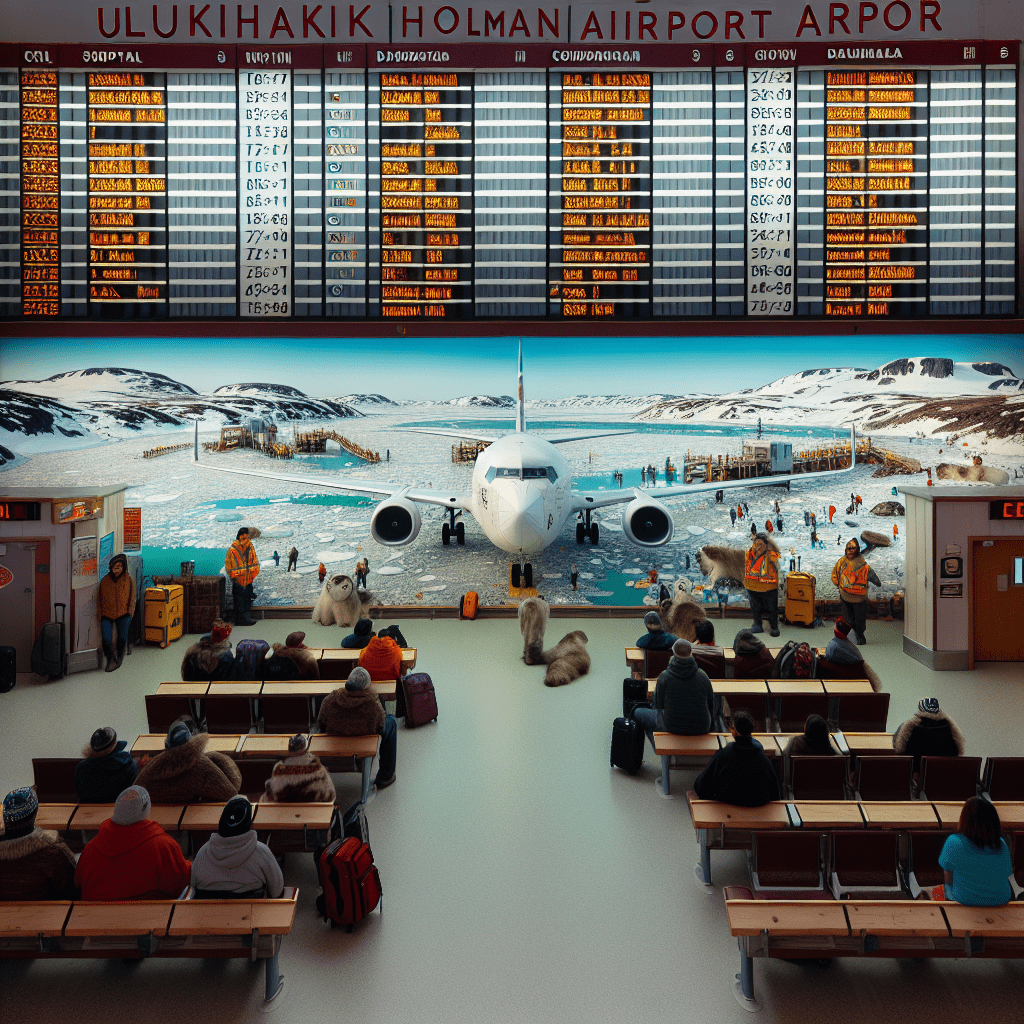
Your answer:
<point x="500" y="181"/>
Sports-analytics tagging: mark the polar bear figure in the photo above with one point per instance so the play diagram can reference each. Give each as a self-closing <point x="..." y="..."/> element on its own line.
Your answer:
<point x="339" y="603"/>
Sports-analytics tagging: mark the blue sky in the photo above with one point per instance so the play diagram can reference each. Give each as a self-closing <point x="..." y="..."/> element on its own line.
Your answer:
<point x="555" y="367"/>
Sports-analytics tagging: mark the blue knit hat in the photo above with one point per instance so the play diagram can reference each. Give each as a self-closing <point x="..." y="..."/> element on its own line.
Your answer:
<point x="929" y="705"/>
<point x="20" y="807"/>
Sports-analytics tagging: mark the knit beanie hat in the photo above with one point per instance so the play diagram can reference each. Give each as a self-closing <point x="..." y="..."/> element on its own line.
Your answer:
<point x="652" y="620"/>
<point x="20" y="807"/>
<point x="842" y="628"/>
<point x="131" y="806"/>
<point x="103" y="740"/>
<point x="746" y="643"/>
<point x="236" y="818"/>
<point x="358" y="679"/>
<point x="929" y="705"/>
<point x="178" y="734"/>
<point x="298" y="744"/>
<point x="364" y="627"/>
<point x="221" y="631"/>
<point x="682" y="648"/>
<point x="295" y="639"/>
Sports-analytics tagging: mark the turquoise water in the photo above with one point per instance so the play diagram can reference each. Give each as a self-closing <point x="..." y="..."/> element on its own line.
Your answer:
<point x="167" y="561"/>
<point x="350" y="500"/>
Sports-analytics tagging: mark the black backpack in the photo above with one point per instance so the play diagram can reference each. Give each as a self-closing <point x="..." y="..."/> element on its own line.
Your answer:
<point x="796" y="661"/>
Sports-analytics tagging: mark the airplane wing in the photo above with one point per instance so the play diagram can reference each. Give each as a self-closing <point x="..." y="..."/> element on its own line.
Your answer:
<point x="466" y="435"/>
<point x="586" y="437"/>
<point x="600" y="499"/>
<point x="429" y="497"/>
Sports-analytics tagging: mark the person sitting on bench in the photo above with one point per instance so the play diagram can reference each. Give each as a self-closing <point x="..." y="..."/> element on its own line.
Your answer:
<point x="976" y="860"/>
<point x="740" y="773"/>
<point x="185" y="773"/>
<point x="233" y="863"/>
<point x="362" y="633"/>
<point x="813" y="741"/>
<point x="355" y="710"/>
<point x="841" y="650"/>
<point x="107" y="769"/>
<point x="382" y="658"/>
<point x="211" y="658"/>
<point x="684" y="702"/>
<point x="35" y="864"/>
<point x="655" y="639"/>
<point x="299" y="778"/>
<point x="131" y="857"/>
<point x="395" y="633"/>
<point x="929" y="733"/>
<point x="753" y="659"/>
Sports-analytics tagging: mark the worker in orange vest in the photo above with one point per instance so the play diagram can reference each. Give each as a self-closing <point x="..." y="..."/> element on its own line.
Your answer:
<point x="851" y="574"/>
<point x="761" y="580"/>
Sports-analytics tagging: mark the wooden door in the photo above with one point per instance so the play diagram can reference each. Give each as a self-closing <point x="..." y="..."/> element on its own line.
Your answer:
<point x="998" y="610"/>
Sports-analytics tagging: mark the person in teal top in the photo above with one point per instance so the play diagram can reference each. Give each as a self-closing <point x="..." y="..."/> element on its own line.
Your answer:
<point x="976" y="860"/>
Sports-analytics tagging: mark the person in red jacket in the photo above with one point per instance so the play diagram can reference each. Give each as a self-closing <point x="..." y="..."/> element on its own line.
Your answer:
<point x="132" y="857"/>
<point x="382" y="658"/>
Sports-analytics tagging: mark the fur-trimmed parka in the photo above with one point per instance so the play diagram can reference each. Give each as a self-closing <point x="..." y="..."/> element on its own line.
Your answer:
<point x="925" y="734"/>
<point x="187" y="774"/>
<point x="208" y="660"/>
<point x="351" y="713"/>
<point x="37" y="866"/>
<point x="298" y="780"/>
<point x="302" y="658"/>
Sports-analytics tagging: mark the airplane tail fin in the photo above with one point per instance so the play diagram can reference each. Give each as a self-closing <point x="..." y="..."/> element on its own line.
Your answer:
<point x="520" y="398"/>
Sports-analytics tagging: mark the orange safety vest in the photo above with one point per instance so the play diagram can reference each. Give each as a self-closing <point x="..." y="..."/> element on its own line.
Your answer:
<point x="854" y="581"/>
<point x="760" y="573"/>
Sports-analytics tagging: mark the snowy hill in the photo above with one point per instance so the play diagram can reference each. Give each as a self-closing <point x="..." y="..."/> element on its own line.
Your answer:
<point x="472" y="402"/>
<point x="101" y="382"/>
<point x="258" y="391"/>
<point x="912" y="395"/>
<point x="597" y="403"/>
<point x="376" y="400"/>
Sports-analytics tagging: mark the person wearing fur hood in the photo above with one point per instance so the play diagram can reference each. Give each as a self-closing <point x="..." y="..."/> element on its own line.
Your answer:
<point x="35" y="864"/>
<point x="929" y="733"/>
<point x="185" y="773"/>
<point x="234" y="861"/>
<point x="300" y="777"/>
<point x="107" y="769"/>
<point x="382" y="658"/>
<point x="210" y="659"/>
<point x="355" y="710"/>
<point x="293" y="650"/>
<point x="753" y="659"/>
<point x="117" y="605"/>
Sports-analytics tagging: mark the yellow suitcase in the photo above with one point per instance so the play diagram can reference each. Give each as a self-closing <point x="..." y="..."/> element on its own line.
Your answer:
<point x="800" y="607"/>
<point x="164" y="614"/>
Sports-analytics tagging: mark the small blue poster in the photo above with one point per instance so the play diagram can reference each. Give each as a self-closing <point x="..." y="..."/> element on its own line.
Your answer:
<point x="106" y="549"/>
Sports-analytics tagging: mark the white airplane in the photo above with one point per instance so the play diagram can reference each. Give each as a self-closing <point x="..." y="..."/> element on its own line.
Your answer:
<point x="521" y="495"/>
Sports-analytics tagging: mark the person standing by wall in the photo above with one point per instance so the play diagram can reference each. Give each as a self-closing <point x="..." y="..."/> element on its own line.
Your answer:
<point x="117" y="605"/>
<point x="761" y="580"/>
<point x="851" y="574"/>
<point x="242" y="567"/>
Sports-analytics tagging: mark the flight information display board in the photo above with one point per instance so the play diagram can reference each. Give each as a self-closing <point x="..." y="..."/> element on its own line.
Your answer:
<point x="494" y="181"/>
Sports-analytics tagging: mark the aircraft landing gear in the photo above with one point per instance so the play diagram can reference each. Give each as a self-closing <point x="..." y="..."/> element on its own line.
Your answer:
<point x="586" y="529"/>
<point x="453" y="529"/>
<point x="521" y="575"/>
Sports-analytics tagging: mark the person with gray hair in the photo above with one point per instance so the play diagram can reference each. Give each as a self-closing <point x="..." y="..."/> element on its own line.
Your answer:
<point x="684" y="701"/>
<point x="656" y="638"/>
<point x="355" y="710"/>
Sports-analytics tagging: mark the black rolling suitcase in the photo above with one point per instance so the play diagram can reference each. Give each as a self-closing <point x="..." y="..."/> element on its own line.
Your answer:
<point x="8" y="668"/>
<point x="627" y="745"/>
<point x="49" y="652"/>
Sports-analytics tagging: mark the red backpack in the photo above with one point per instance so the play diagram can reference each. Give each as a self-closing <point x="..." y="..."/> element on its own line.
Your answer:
<point x="796" y="661"/>
<point x="350" y="881"/>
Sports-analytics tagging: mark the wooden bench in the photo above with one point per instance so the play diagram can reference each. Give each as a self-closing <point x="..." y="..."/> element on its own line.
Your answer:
<point x="824" y="929"/>
<point x="722" y="826"/>
<point x="338" y="662"/>
<point x="338" y="753"/>
<point x="250" y="929"/>
<point x="635" y="659"/>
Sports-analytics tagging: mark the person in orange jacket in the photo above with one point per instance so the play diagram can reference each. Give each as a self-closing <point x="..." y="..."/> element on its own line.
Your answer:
<point x="321" y="571"/>
<point x="761" y="580"/>
<point x="242" y="567"/>
<point x="851" y="574"/>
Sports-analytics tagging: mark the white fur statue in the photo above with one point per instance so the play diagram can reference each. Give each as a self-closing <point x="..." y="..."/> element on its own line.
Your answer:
<point x="339" y="603"/>
<point x="567" y="660"/>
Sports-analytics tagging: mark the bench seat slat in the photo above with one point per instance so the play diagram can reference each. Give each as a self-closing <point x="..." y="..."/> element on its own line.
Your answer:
<point x="994" y="922"/>
<point x="908" y="918"/>
<point x="795" y="917"/>
<point x="293" y="816"/>
<point x="31" y="918"/>
<point x="119" y="919"/>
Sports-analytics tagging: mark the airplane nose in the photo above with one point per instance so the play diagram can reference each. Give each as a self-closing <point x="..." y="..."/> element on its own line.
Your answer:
<point x="523" y="519"/>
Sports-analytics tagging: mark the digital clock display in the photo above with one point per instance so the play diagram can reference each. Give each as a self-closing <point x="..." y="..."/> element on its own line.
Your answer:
<point x="19" y="511"/>
<point x="1006" y="510"/>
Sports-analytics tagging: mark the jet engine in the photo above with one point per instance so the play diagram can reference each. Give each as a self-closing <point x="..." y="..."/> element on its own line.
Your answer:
<point x="647" y="522"/>
<point x="395" y="521"/>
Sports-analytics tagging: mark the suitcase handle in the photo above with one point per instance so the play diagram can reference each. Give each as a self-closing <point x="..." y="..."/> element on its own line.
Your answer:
<point x="63" y="611"/>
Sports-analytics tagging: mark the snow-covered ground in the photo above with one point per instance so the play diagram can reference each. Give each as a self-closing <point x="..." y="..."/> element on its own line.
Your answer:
<point x="177" y="500"/>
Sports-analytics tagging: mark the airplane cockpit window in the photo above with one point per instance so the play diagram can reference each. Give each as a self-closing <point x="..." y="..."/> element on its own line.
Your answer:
<point x="489" y="477"/>
<point x="552" y="475"/>
<point x="534" y="472"/>
<point x="508" y="474"/>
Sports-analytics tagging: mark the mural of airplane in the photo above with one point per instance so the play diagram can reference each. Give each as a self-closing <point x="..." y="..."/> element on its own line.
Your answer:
<point x="521" y="495"/>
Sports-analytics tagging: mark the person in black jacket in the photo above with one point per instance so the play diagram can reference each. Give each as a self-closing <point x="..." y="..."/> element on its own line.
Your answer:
<point x="107" y="769"/>
<point x="656" y="638"/>
<point x="684" y="701"/>
<point x="931" y="732"/>
<point x="741" y="773"/>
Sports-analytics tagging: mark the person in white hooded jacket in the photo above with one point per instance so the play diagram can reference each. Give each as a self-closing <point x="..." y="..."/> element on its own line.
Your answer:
<point x="233" y="862"/>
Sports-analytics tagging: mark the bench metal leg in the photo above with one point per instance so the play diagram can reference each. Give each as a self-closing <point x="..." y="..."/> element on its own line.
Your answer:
<point x="666" y="764"/>
<point x="367" y="766"/>
<point x="274" y="985"/>
<point x="705" y="855"/>
<point x="743" y="986"/>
